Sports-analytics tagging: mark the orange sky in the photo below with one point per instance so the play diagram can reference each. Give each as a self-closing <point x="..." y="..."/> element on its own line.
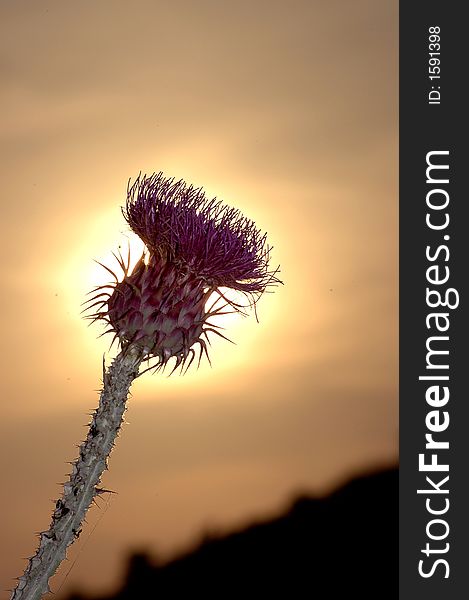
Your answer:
<point x="287" y="111"/>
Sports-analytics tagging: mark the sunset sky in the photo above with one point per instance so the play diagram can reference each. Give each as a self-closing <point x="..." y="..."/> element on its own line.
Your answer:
<point x="285" y="110"/>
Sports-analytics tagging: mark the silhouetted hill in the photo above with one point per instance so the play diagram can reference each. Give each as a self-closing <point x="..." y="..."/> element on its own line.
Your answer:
<point x="341" y="546"/>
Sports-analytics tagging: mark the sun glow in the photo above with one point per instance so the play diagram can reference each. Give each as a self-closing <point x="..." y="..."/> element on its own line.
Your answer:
<point x="90" y="266"/>
<point x="95" y="258"/>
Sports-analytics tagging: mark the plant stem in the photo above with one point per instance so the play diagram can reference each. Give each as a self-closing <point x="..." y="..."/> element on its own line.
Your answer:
<point x="80" y="490"/>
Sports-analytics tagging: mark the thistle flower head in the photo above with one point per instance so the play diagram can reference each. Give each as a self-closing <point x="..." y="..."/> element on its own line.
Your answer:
<point x="194" y="247"/>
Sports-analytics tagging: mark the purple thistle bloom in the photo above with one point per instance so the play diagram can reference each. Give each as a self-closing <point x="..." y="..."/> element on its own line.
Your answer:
<point x="195" y="246"/>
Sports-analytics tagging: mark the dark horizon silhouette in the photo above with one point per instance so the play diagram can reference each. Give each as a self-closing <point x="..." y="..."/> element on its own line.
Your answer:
<point x="337" y="546"/>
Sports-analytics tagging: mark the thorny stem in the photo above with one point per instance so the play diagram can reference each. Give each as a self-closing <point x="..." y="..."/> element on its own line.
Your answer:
<point x="81" y="488"/>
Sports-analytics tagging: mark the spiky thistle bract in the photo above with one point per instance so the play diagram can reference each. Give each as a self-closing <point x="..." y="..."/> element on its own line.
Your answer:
<point x="194" y="247"/>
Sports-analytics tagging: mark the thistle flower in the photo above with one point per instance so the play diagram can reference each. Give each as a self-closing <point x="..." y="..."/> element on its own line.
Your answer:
<point x="195" y="246"/>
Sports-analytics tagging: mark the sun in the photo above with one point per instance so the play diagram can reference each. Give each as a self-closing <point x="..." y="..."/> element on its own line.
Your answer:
<point x="82" y="269"/>
<point x="86" y="268"/>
